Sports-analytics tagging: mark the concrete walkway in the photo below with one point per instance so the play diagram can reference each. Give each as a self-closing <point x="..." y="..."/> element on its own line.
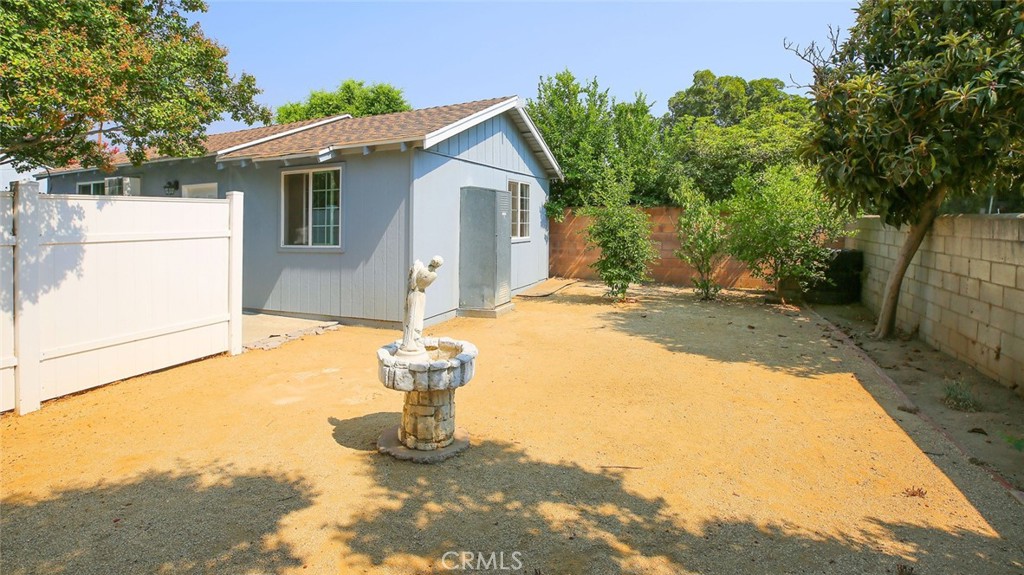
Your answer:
<point x="265" y="331"/>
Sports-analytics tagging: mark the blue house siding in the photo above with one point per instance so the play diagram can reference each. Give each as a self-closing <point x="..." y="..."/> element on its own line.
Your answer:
<point x="154" y="176"/>
<point x="365" y="279"/>
<point x="488" y="156"/>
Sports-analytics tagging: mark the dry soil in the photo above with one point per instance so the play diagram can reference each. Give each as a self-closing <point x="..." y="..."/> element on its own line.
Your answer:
<point x="662" y="436"/>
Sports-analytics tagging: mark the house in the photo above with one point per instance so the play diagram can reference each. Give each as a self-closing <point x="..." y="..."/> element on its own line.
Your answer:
<point x="337" y="209"/>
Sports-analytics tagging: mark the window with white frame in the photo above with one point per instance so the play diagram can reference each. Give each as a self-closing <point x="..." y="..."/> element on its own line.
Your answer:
<point x="520" y="209"/>
<point x="311" y="208"/>
<point x="92" y="188"/>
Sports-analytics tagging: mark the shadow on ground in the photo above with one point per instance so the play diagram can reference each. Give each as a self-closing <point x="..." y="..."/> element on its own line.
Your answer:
<point x="361" y="433"/>
<point x="199" y="522"/>
<point x="560" y="518"/>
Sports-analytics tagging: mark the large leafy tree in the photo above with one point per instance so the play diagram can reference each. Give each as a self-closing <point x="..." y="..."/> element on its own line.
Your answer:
<point x="352" y="97"/>
<point x="576" y="121"/>
<point x="81" y="79"/>
<point x="923" y="101"/>
<point x="723" y="127"/>
<point x="641" y="145"/>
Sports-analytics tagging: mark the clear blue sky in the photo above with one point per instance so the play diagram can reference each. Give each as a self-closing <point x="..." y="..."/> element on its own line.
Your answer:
<point x="445" y="53"/>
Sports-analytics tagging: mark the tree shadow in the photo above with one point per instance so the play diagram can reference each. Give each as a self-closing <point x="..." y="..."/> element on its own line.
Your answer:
<point x="59" y="223"/>
<point x="361" y="433"/>
<point x="561" y="518"/>
<point x="716" y="329"/>
<point x="209" y="521"/>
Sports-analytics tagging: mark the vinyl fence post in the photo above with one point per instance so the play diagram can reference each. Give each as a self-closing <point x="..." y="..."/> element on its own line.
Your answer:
<point x="28" y="231"/>
<point x="235" y="271"/>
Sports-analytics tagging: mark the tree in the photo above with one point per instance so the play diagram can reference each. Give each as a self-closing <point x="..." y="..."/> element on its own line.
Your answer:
<point x="702" y="238"/>
<point x="352" y="97"/>
<point x="780" y="227"/>
<point x="135" y="75"/>
<point x="641" y="145"/>
<point x="623" y="234"/>
<point x="723" y="127"/>
<point x="923" y="101"/>
<point x="576" y="122"/>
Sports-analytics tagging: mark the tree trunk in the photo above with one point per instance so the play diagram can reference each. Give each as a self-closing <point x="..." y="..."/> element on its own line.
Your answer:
<point x="891" y="296"/>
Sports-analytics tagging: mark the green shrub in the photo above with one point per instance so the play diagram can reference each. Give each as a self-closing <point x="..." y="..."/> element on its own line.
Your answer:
<point x="780" y="226"/>
<point x="958" y="396"/>
<point x="702" y="238"/>
<point x="623" y="233"/>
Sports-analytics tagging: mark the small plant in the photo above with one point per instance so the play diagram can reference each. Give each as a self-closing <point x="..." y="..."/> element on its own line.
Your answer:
<point x="904" y="569"/>
<point x="624" y="235"/>
<point x="702" y="238"/>
<point x="914" y="492"/>
<point x="958" y="396"/>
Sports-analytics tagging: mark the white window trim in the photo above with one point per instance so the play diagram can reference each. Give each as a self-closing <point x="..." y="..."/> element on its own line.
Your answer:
<point x="282" y="246"/>
<point x="91" y="184"/>
<point x="529" y="224"/>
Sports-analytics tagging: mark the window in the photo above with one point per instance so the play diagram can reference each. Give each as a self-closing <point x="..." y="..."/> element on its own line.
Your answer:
<point x="311" y="208"/>
<point x="199" y="190"/>
<point x="520" y="209"/>
<point x="91" y="189"/>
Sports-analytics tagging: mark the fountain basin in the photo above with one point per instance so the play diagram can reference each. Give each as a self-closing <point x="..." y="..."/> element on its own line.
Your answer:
<point x="450" y="365"/>
<point x="427" y="433"/>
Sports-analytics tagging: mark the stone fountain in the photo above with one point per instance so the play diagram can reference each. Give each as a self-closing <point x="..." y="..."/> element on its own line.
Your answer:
<point x="428" y="370"/>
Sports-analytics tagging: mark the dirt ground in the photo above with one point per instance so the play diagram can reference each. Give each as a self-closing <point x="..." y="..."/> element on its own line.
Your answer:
<point x="660" y="437"/>
<point x="924" y="374"/>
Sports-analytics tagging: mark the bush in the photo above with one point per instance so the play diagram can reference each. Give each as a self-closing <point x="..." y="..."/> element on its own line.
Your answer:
<point x="702" y="238"/>
<point x="780" y="226"/>
<point x="958" y="396"/>
<point x="624" y="235"/>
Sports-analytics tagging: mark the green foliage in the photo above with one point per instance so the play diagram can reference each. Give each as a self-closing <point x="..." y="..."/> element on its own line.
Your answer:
<point x="923" y="99"/>
<point x="141" y="70"/>
<point x="352" y="97"/>
<point x="723" y="127"/>
<point x="623" y="233"/>
<point x="576" y="122"/>
<point x="641" y="143"/>
<point x="702" y="238"/>
<point x="780" y="226"/>
<point x="958" y="396"/>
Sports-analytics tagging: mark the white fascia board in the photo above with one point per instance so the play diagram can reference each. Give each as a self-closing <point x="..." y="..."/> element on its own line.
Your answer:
<point x="283" y="134"/>
<point x="540" y="140"/>
<point x="469" y="121"/>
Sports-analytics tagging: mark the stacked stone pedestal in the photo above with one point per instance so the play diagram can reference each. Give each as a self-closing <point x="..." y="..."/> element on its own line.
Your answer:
<point x="428" y="419"/>
<point x="427" y="433"/>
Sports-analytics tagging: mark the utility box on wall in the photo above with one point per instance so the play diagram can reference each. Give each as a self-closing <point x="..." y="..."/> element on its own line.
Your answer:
<point x="485" y="251"/>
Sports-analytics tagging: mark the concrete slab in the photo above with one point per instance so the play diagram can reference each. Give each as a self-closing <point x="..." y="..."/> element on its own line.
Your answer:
<point x="265" y="331"/>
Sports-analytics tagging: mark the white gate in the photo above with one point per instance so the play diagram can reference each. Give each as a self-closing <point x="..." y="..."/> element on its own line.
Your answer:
<point x="108" y="287"/>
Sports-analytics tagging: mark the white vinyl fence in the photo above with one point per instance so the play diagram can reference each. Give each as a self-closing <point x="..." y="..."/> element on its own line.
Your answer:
<point x="94" y="289"/>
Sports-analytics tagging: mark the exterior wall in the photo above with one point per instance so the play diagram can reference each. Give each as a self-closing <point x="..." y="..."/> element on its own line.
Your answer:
<point x="963" y="292"/>
<point x="154" y="176"/>
<point x="106" y="288"/>
<point x="488" y="156"/>
<point x="365" y="279"/>
<point x="570" y="258"/>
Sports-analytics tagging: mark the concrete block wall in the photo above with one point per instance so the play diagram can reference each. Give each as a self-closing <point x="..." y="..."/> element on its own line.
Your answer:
<point x="964" y="291"/>
<point x="569" y="256"/>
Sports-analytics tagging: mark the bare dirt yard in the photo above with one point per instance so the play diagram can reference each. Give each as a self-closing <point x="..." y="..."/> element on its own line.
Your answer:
<point x="664" y="436"/>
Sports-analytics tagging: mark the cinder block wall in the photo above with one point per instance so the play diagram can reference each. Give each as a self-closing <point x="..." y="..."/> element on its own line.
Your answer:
<point x="963" y="292"/>
<point x="569" y="256"/>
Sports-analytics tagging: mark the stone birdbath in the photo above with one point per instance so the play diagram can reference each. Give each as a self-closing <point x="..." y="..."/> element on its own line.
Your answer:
<point x="428" y="370"/>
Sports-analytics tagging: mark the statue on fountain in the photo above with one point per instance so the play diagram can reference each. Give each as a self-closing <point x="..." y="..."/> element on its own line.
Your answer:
<point x="420" y="278"/>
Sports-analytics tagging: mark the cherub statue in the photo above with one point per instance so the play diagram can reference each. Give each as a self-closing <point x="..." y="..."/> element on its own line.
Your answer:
<point x="420" y="277"/>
